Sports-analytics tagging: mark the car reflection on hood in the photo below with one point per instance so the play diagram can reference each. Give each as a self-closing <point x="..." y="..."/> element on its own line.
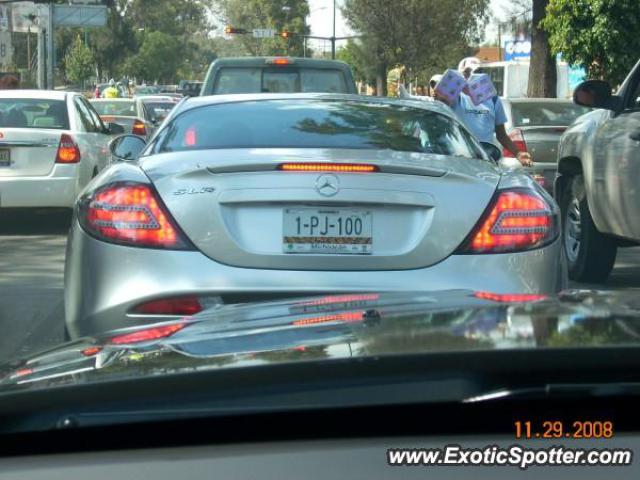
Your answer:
<point x="336" y="327"/>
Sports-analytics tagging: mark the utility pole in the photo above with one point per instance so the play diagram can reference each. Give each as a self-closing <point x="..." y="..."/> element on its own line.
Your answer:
<point x="50" y="52"/>
<point x="333" y="37"/>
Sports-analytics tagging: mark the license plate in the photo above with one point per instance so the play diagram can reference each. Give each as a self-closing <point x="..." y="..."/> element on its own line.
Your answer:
<point x="327" y="230"/>
<point x="5" y="157"/>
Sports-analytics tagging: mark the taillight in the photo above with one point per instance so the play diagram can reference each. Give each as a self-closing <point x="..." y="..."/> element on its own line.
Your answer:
<point x="148" y="334"/>
<point x="130" y="214"/>
<point x="91" y="351"/>
<point x="139" y="128"/>
<point x="190" y="137"/>
<point x="68" y="151"/>
<point x="328" y="167"/>
<point x="518" y="140"/>
<point x="188" y="305"/>
<point x="516" y="220"/>
<point x="510" y="297"/>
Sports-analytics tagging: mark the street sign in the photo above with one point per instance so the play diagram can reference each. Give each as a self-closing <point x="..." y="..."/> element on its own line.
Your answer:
<point x="263" y="33"/>
<point x="6" y="50"/>
<point x="28" y="17"/>
<point x="517" y="49"/>
<point x="79" y="16"/>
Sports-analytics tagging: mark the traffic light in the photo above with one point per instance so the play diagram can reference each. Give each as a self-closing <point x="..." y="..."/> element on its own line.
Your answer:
<point x="231" y="30"/>
<point x="286" y="34"/>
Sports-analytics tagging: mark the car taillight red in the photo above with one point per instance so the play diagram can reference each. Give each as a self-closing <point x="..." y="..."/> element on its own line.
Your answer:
<point x="148" y="334"/>
<point x="518" y="140"/>
<point x="516" y="220"/>
<point x="336" y="317"/>
<point x="130" y="214"/>
<point x="139" y="128"/>
<point x="328" y="167"/>
<point x="68" y="151"/>
<point x="188" y="305"/>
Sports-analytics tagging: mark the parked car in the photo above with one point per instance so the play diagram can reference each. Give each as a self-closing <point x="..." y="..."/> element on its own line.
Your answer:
<point x="51" y="145"/>
<point x="130" y="113"/>
<point x="511" y="78"/>
<point x="597" y="186"/>
<point x="278" y="75"/>
<point x="535" y="125"/>
<point x="258" y="196"/>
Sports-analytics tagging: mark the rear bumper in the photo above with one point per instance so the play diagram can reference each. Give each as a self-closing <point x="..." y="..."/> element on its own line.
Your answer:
<point x="58" y="189"/>
<point x="104" y="281"/>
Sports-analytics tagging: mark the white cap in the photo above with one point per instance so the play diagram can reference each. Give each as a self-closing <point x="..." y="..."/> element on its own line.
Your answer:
<point x="469" y="62"/>
<point x="436" y="78"/>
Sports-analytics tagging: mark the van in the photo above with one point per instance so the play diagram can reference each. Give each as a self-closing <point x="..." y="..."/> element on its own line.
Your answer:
<point x="511" y="79"/>
<point x="277" y="75"/>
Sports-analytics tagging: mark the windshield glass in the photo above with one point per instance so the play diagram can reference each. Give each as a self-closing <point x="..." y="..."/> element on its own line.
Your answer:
<point x="317" y="124"/>
<point x="124" y="108"/>
<point x="545" y="114"/>
<point x="33" y="113"/>
<point x="279" y="80"/>
<point x="207" y="184"/>
<point x="159" y="110"/>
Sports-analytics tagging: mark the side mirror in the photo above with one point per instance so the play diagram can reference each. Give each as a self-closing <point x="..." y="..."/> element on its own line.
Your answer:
<point x="490" y="149"/>
<point x="115" y="128"/>
<point x="594" y="94"/>
<point x="127" y="148"/>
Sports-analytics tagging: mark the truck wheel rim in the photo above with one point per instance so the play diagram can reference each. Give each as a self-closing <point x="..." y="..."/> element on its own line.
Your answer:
<point x="572" y="231"/>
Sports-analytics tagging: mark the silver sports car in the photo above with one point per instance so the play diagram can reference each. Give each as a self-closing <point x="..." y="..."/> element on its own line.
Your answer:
<point x="249" y="197"/>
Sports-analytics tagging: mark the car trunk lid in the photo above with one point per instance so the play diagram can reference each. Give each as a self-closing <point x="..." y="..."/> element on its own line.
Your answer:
<point x="542" y="142"/>
<point x="239" y="209"/>
<point x="28" y="151"/>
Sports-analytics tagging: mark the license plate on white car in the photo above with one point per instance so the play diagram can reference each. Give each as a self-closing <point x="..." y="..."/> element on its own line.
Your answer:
<point x="327" y="230"/>
<point x="5" y="157"/>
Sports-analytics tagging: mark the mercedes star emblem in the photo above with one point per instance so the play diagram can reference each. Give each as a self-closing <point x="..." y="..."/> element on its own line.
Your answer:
<point x="327" y="185"/>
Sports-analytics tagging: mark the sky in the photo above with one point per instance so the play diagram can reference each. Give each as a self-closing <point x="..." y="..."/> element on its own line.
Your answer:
<point x="321" y="20"/>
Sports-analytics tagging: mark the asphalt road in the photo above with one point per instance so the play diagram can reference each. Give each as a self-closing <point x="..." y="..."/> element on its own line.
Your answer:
<point x="32" y="248"/>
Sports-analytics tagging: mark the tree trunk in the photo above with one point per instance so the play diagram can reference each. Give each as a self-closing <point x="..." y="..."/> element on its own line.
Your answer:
<point x="381" y="81"/>
<point x="542" y="68"/>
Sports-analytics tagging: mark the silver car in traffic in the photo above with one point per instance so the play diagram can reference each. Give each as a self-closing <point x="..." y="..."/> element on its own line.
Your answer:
<point x="249" y="197"/>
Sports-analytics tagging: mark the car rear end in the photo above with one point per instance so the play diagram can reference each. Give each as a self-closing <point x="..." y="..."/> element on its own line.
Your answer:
<point x="39" y="154"/>
<point x="535" y="126"/>
<point x="233" y="224"/>
<point x="124" y="112"/>
<point x="278" y="75"/>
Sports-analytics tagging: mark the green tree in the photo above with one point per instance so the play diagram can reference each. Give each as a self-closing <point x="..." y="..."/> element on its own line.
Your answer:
<point x="417" y="35"/>
<point x="280" y="15"/>
<point x="600" y="35"/>
<point x="159" y="58"/>
<point x="79" y="62"/>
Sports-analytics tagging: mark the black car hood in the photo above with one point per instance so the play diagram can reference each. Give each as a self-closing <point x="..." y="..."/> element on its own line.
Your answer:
<point x="338" y="327"/>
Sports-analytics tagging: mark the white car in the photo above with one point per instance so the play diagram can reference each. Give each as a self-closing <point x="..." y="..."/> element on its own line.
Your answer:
<point x="51" y="145"/>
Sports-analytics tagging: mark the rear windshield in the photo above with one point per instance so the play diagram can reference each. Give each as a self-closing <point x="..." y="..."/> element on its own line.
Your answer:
<point x="317" y="124"/>
<point x="279" y="80"/>
<point x="545" y="114"/>
<point x="159" y="110"/>
<point x="126" y="109"/>
<point x="33" y="113"/>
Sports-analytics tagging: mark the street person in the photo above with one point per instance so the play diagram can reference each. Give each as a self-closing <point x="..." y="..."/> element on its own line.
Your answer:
<point x="486" y="120"/>
<point x="111" y="91"/>
<point x="432" y="84"/>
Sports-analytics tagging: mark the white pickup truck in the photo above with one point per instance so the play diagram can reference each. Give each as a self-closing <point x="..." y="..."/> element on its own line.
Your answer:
<point x="598" y="182"/>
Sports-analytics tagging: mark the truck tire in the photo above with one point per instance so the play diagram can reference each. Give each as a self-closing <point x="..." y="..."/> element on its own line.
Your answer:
<point x="590" y="254"/>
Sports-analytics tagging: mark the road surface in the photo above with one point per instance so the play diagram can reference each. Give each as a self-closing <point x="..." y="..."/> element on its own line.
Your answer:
<point x="32" y="249"/>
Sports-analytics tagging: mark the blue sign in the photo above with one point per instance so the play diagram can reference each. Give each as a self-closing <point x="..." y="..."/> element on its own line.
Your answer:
<point x="518" y="49"/>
